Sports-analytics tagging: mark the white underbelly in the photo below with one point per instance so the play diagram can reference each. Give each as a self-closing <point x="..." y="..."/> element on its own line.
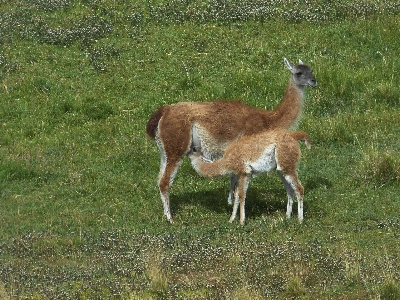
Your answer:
<point x="265" y="163"/>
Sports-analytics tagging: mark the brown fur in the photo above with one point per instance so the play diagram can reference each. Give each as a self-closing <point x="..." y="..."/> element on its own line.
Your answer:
<point x="256" y="154"/>
<point x="219" y="124"/>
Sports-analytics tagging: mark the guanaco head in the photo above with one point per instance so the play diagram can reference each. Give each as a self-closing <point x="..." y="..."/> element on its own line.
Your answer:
<point x="195" y="152"/>
<point x="302" y="74"/>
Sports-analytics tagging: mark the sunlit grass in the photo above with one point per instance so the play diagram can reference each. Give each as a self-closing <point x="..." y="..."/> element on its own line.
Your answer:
<point x="81" y="216"/>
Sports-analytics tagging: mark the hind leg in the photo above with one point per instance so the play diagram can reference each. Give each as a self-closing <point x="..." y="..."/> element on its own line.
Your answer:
<point x="233" y="182"/>
<point x="165" y="179"/>
<point x="168" y="169"/>
<point x="293" y="187"/>
<point x="289" y="192"/>
<point x="173" y="138"/>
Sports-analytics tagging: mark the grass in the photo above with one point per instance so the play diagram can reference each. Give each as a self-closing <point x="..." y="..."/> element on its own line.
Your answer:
<point x="81" y="216"/>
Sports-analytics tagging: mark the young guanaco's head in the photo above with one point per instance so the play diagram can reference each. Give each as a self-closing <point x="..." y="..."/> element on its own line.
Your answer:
<point x="195" y="152"/>
<point x="196" y="156"/>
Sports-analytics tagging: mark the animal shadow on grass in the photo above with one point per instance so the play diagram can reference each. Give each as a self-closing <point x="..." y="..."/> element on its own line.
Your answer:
<point x="258" y="201"/>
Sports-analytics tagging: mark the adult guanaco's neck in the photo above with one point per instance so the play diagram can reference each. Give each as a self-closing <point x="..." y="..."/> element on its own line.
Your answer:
<point x="286" y="114"/>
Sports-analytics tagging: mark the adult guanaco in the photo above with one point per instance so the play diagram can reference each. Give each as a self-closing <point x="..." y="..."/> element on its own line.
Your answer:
<point x="219" y="124"/>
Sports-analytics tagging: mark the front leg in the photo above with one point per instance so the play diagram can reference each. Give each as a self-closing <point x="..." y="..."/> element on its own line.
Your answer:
<point x="242" y="190"/>
<point x="240" y="197"/>
<point x="235" y="205"/>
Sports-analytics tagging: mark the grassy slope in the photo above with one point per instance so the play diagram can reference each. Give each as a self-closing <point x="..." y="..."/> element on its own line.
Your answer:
<point x="81" y="213"/>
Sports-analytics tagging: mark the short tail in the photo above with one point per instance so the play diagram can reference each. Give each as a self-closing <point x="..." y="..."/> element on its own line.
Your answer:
<point x="152" y="124"/>
<point x="302" y="136"/>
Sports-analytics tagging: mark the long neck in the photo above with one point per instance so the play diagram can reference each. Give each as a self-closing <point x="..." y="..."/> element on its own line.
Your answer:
<point x="289" y="110"/>
<point x="208" y="169"/>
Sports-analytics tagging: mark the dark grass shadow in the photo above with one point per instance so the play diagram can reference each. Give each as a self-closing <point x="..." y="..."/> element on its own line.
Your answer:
<point x="213" y="199"/>
<point x="258" y="201"/>
<point x="316" y="183"/>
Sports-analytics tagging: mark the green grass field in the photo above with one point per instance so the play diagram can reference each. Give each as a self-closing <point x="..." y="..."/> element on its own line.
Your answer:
<point x="80" y="212"/>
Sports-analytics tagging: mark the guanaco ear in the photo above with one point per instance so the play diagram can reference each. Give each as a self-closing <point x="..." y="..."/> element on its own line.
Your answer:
<point x="300" y="62"/>
<point x="288" y="65"/>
